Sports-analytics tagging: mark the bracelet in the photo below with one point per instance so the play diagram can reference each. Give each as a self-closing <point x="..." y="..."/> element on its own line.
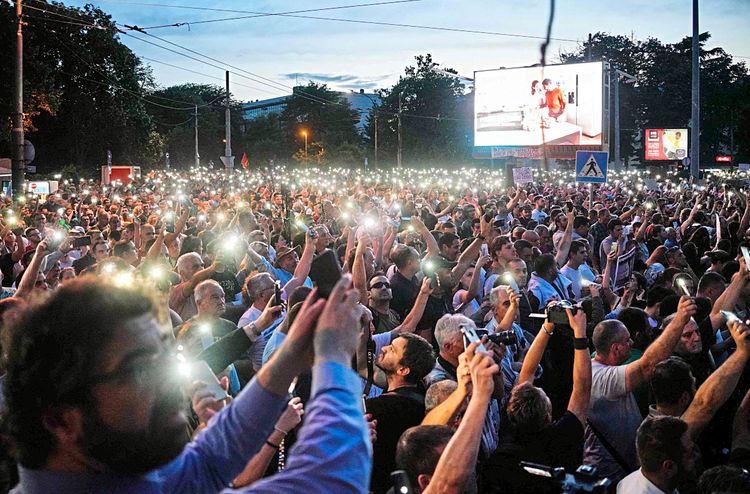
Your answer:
<point x="581" y="343"/>
<point x="274" y="446"/>
<point x="549" y="333"/>
<point x="283" y="433"/>
<point x="481" y="237"/>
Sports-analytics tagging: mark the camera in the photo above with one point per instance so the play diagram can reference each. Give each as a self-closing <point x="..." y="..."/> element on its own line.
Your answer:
<point x="556" y="312"/>
<point x="503" y="337"/>
<point x="585" y="479"/>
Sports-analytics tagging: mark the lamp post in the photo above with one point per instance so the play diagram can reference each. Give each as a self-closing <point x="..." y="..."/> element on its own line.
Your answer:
<point x="304" y="134"/>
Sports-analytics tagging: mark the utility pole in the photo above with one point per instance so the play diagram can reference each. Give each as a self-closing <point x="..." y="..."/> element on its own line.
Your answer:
<point x="197" y="156"/>
<point x="623" y="77"/>
<point x="227" y="159"/>
<point x="588" y="49"/>
<point x="398" y="151"/>
<point x="18" y="166"/>
<point x="695" y="114"/>
<point x="376" y="140"/>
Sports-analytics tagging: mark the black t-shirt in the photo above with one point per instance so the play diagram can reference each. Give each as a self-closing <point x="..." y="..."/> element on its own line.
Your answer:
<point x="436" y="308"/>
<point x="395" y="412"/>
<point x="228" y="282"/>
<point x="558" y="445"/>
<point x="6" y="266"/>
<point x="404" y="293"/>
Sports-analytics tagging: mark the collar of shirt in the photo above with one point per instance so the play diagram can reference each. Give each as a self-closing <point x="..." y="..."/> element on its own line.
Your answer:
<point x="44" y="481"/>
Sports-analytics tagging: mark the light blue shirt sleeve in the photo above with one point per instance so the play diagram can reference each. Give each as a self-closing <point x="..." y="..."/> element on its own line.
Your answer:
<point x="333" y="452"/>
<point x="221" y="451"/>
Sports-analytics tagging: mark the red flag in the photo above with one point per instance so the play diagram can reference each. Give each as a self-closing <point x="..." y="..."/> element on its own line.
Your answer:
<point x="244" y="161"/>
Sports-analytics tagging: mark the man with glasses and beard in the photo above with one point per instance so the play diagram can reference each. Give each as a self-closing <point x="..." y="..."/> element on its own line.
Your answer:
<point x="379" y="302"/>
<point x="94" y="403"/>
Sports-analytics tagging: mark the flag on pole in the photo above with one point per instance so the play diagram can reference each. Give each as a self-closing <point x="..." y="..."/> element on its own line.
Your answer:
<point x="244" y="161"/>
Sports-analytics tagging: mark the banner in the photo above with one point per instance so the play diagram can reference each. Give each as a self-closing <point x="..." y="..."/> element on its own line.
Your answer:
<point x="666" y="144"/>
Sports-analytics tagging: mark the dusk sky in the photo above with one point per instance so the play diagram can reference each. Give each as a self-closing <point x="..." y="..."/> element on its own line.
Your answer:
<point x="350" y="56"/>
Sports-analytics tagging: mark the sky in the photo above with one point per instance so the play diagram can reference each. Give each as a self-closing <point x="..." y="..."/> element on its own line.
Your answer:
<point x="351" y="56"/>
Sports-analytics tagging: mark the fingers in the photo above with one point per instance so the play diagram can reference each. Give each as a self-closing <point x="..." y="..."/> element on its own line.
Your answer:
<point x="470" y="351"/>
<point x="224" y="383"/>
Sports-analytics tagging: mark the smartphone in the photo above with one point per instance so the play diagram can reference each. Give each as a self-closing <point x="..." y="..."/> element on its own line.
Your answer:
<point x="200" y="371"/>
<point x="746" y="255"/>
<point x="508" y="278"/>
<point x="730" y="316"/>
<point x="675" y="225"/>
<point x="277" y="294"/>
<point x="81" y="241"/>
<point x="55" y="240"/>
<point x="471" y="336"/>
<point x="364" y="403"/>
<point x="401" y="483"/>
<point x="683" y="288"/>
<point x="485" y="251"/>
<point x="613" y="249"/>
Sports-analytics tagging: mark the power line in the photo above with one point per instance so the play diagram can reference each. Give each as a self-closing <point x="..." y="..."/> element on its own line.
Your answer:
<point x="206" y="75"/>
<point x="256" y="14"/>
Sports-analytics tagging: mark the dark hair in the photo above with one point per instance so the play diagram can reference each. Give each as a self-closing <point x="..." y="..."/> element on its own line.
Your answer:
<point x="190" y="244"/>
<point x="533" y="85"/>
<point x="660" y="439"/>
<point x="711" y="280"/>
<point x="671" y="378"/>
<point x="580" y="221"/>
<point x="498" y="244"/>
<point x="55" y="348"/>
<point x="636" y="320"/>
<point x="657" y="294"/>
<point x="403" y="255"/>
<point x="521" y="244"/>
<point x="418" y="357"/>
<point x="613" y="224"/>
<point x="575" y="246"/>
<point x="543" y="264"/>
<point x="728" y="479"/>
<point x="122" y="247"/>
<point x="446" y="239"/>
<point x="669" y="305"/>
<point x="419" y="448"/>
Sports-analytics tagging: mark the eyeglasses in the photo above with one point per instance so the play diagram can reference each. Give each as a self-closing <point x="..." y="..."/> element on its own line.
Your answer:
<point x="140" y="371"/>
<point x="381" y="284"/>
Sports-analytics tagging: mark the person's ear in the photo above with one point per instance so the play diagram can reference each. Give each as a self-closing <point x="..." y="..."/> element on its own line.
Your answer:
<point x="670" y="468"/>
<point x="65" y="424"/>
<point x="423" y="480"/>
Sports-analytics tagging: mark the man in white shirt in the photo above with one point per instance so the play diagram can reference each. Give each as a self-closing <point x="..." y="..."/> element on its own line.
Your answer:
<point x="667" y="456"/>
<point x="614" y="416"/>
<point x="577" y="256"/>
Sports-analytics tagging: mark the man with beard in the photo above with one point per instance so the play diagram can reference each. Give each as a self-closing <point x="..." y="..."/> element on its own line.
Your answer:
<point x="94" y="404"/>
<point x="404" y="362"/>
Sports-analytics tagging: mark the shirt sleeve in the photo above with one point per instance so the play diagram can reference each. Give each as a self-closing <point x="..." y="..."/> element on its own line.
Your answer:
<point x="608" y="382"/>
<point x="221" y="451"/>
<point x="333" y="452"/>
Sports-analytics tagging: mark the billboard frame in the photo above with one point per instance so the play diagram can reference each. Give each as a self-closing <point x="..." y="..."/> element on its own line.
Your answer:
<point x="567" y="151"/>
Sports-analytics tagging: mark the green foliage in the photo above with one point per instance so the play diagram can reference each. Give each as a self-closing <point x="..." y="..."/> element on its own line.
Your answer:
<point x="327" y="118"/>
<point x="661" y="96"/>
<point x="81" y="89"/>
<point x="424" y="93"/>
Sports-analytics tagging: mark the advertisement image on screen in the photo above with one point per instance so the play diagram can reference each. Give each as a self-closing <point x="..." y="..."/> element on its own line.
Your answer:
<point x="559" y="104"/>
<point x="666" y="144"/>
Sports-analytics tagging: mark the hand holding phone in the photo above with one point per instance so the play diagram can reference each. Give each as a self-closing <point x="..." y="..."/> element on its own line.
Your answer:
<point x="277" y="293"/>
<point x="200" y="371"/>
<point x="471" y="336"/>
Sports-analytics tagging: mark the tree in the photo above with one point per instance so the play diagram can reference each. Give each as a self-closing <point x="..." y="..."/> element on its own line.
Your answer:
<point x="436" y="117"/>
<point x="661" y="96"/>
<point x="176" y="121"/>
<point x="264" y="140"/>
<point x="83" y="89"/>
<point x="326" y="117"/>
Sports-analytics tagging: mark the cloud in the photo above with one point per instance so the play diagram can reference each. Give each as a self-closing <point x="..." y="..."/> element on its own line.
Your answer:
<point x="320" y="77"/>
<point x="342" y="81"/>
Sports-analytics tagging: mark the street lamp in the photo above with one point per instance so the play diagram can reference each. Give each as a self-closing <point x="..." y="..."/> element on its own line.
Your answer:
<point x="304" y="134"/>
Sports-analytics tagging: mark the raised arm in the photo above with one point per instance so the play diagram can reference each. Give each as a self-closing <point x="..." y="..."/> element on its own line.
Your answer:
<point x="303" y="266"/>
<point x="155" y="250"/>
<point x="639" y="372"/>
<point x="459" y="458"/>
<point x="719" y="386"/>
<point x="429" y="240"/>
<point x="473" y="290"/>
<point x="578" y="404"/>
<point x="359" y="273"/>
<point x="409" y="324"/>
<point x="535" y="354"/>
<point x="510" y="315"/>
<point x="28" y="280"/>
<point x="444" y="413"/>
<point x="466" y="257"/>
<point x="745" y="221"/>
<point x="562" y="252"/>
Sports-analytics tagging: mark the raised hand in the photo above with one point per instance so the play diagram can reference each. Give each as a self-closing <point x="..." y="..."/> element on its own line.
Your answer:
<point x="337" y="330"/>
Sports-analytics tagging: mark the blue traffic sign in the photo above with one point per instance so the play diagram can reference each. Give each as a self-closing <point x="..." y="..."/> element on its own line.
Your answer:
<point x="591" y="166"/>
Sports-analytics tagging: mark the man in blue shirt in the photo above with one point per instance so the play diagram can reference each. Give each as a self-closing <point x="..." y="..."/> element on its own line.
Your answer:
<point x="94" y="403"/>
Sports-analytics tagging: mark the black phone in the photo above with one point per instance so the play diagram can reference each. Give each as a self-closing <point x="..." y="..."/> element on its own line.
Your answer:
<point x="401" y="482"/>
<point x="81" y="241"/>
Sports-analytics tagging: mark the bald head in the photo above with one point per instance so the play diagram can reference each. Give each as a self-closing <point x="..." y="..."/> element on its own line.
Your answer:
<point x="607" y="333"/>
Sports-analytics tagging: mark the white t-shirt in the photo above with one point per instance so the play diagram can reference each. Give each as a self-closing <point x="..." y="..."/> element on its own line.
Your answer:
<point x="637" y="483"/>
<point x="469" y="308"/>
<point x="615" y="414"/>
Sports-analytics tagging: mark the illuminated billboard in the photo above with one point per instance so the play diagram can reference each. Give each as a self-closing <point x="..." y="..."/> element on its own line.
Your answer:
<point x="666" y="144"/>
<point x="526" y="107"/>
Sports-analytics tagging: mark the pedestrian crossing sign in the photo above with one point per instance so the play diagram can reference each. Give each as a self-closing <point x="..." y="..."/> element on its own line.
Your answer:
<point x="591" y="166"/>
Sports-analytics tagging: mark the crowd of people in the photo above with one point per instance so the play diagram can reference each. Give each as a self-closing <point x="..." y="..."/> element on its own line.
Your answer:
<point x="414" y="331"/>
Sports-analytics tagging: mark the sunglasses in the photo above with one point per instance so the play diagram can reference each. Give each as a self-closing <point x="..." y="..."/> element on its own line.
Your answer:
<point x="381" y="284"/>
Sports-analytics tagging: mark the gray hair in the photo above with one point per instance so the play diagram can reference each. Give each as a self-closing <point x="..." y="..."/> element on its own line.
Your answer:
<point x="605" y="334"/>
<point x="256" y="284"/>
<point x="203" y="288"/>
<point x="185" y="259"/>
<point x="448" y="327"/>
<point x="438" y="393"/>
<point x="495" y="294"/>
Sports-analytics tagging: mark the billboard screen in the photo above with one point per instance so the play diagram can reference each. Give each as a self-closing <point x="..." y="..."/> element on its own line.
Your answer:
<point x="666" y="144"/>
<point x="530" y="106"/>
